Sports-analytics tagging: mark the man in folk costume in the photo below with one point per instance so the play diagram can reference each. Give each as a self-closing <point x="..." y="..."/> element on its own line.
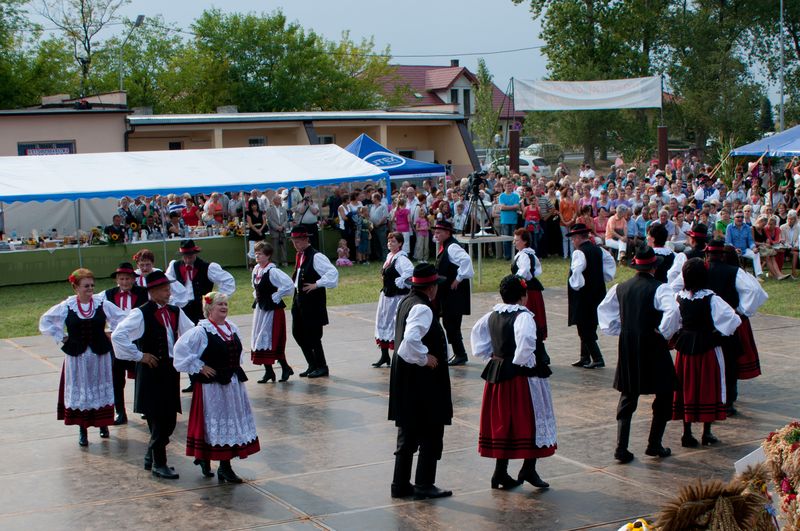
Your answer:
<point x="657" y="239"/>
<point x="127" y="295"/>
<point x="419" y="388"/>
<point x="313" y="274"/>
<point x="148" y="336"/>
<point x="145" y="264"/>
<point x="199" y="277"/>
<point x="744" y="293"/>
<point x="453" y="299"/>
<point x="696" y="240"/>
<point x="643" y="312"/>
<point x="590" y="269"/>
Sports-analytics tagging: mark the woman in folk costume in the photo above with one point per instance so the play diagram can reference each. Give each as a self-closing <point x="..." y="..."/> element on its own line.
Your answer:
<point x="221" y="424"/>
<point x="145" y="261"/>
<point x="517" y="419"/>
<point x="396" y="272"/>
<point x="86" y="391"/>
<point x="699" y="362"/>
<point x="526" y="265"/>
<point x="268" y="336"/>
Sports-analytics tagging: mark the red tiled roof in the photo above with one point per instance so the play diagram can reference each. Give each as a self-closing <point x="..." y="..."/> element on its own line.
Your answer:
<point x="443" y="78"/>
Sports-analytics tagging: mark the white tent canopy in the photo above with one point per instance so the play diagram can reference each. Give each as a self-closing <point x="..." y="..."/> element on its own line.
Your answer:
<point x="114" y="175"/>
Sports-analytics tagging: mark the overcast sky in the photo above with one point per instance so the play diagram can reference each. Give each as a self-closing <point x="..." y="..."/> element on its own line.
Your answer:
<point x="451" y="28"/>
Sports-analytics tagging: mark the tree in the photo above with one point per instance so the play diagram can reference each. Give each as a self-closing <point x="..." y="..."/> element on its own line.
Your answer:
<point x="484" y="123"/>
<point x="81" y="21"/>
<point x="765" y="121"/>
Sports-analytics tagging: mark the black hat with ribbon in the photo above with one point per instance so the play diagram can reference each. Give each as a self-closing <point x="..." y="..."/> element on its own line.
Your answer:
<point x="156" y="278"/>
<point x="124" y="268"/>
<point x="299" y="232"/>
<point x="444" y="225"/>
<point x="188" y="247"/>
<point x="645" y="259"/>
<point x="578" y="228"/>
<point x="425" y="275"/>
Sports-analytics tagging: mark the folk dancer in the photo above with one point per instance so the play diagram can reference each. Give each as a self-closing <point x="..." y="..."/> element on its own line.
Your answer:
<point x="396" y="274"/>
<point x="657" y="240"/>
<point x="145" y="264"/>
<point x="526" y="265"/>
<point x="696" y="248"/>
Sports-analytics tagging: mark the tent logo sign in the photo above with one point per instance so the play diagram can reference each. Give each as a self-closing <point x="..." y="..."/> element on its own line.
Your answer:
<point x="385" y="160"/>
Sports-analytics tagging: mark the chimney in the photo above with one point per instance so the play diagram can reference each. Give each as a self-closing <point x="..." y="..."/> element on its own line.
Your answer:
<point x="227" y="109"/>
<point x="143" y="111"/>
<point x="453" y="62"/>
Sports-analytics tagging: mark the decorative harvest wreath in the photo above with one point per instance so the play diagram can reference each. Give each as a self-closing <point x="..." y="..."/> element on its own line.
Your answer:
<point x="782" y="449"/>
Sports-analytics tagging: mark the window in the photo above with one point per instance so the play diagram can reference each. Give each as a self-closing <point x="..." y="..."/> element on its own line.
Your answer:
<point x="454" y="96"/>
<point x="467" y="103"/>
<point x="326" y="139"/>
<point x="175" y="145"/>
<point x="257" y="141"/>
<point x="46" y="148"/>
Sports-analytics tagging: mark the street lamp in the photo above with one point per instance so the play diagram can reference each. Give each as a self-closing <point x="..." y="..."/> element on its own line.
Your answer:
<point x="136" y="24"/>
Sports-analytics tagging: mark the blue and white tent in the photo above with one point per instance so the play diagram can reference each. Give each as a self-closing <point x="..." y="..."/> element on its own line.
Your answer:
<point x="397" y="166"/>
<point x="785" y="144"/>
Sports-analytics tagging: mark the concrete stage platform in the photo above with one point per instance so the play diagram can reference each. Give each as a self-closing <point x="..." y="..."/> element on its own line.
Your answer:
<point x="326" y="459"/>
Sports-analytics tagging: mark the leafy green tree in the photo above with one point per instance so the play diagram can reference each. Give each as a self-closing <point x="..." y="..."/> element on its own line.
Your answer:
<point x="765" y="121"/>
<point x="484" y="123"/>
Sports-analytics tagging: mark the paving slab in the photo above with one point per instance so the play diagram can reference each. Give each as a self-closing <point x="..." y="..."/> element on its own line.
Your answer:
<point x="327" y="448"/>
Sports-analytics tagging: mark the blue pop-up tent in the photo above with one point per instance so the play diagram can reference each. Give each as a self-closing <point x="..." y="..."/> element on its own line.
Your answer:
<point x="785" y="144"/>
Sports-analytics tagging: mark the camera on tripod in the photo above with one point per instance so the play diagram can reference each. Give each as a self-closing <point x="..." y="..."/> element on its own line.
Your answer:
<point x="476" y="179"/>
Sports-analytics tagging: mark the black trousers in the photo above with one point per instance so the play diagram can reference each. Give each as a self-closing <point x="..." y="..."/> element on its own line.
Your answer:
<point x="429" y="440"/>
<point x="119" y="372"/>
<point x="309" y="338"/>
<point x="161" y="425"/>
<point x="590" y="350"/>
<point x="452" y="327"/>
<point x="662" y="413"/>
<point x="730" y="355"/>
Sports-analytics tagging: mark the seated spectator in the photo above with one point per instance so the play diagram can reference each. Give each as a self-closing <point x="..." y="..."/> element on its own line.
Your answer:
<point x="152" y="230"/>
<point x="790" y="237"/>
<point x="770" y="249"/>
<point x="617" y="232"/>
<point x="116" y="231"/>
<point x="740" y="237"/>
<point x="678" y="237"/>
<point x="175" y="227"/>
<point x="722" y="224"/>
<point x="599" y="225"/>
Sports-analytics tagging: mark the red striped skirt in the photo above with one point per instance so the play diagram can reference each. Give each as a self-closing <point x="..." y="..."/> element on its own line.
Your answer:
<point x="508" y="426"/>
<point x="196" y="445"/>
<point x="278" y="350"/>
<point x="385" y="344"/>
<point x="699" y="388"/>
<point x="535" y="303"/>
<point x="85" y="418"/>
<point x="747" y="363"/>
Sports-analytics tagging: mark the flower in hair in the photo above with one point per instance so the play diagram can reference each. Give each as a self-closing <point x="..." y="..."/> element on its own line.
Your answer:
<point x="71" y="278"/>
<point x="523" y="283"/>
<point x="208" y="299"/>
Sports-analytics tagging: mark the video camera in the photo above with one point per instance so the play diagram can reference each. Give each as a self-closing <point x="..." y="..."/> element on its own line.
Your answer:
<point x="476" y="178"/>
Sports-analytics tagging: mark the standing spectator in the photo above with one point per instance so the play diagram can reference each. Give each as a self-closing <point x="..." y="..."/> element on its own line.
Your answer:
<point x="175" y="204"/>
<point x="306" y="214"/>
<point x="346" y="224"/>
<point x="422" y="228"/>
<point x="568" y="213"/>
<point x="235" y="206"/>
<point x="379" y="216"/>
<point x="509" y="202"/>
<point x="278" y="222"/>
<point x="190" y="213"/>
<point x="740" y="236"/>
<point x="214" y="209"/>
<point x="363" y="234"/>
<point x="790" y="235"/>
<point x="255" y="226"/>
<point x="400" y="216"/>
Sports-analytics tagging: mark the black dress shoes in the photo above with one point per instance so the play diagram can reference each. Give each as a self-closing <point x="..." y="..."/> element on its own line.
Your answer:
<point x="595" y="365"/>
<point x="580" y="363"/>
<point x="83" y="437"/>
<point x="285" y="373"/>
<point x="402" y="491"/>
<point x="165" y="472"/>
<point x="104" y="432"/>
<point x="457" y="360"/>
<point x="188" y="388"/>
<point x="623" y="456"/>
<point x="318" y="373"/>
<point x="430" y="491"/>
<point x="120" y="420"/>
<point x="505" y="482"/>
<point x="708" y="439"/>
<point x="269" y="374"/>
<point x="306" y="372"/>
<point x="658" y="451"/>
<point x="205" y="467"/>
<point x="687" y="441"/>
<point x="534" y="479"/>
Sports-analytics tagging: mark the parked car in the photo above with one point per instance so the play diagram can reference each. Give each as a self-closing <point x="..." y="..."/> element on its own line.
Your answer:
<point x="552" y="153"/>
<point x="527" y="166"/>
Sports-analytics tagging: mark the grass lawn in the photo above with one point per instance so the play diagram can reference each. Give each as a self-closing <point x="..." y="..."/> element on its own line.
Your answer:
<point x="23" y="305"/>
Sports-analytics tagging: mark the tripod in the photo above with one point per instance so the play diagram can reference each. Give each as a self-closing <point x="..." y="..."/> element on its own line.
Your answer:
<point x="475" y="204"/>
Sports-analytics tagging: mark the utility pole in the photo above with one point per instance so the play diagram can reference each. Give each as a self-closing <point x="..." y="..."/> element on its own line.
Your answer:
<point x="136" y="24"/>
<point x="782" y="66"/>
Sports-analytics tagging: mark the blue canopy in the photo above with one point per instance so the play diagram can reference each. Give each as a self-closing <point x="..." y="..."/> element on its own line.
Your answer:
<point x="785" y="144"/>
<point x="395" y="165"/>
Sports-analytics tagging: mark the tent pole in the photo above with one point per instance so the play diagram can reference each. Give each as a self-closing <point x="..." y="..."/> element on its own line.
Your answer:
<point x="163" y="234"/>
<point x="76" y="207"/>
<point x="244" y="224"/>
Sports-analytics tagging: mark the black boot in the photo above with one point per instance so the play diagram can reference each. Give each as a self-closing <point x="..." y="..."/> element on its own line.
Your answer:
<point x="401" y="482"/>
<point x="597" y="357"/>
<point x="687" y="439"/>
<point x="425" y="478"/>
<point x="226" y="473"/>
<point x="205" y="467"/>
<point x="584" y="359"/>
<point x="104" y="432"/>
<point x="83" y="437"/>
<point x="654" y="447"/>
<point x="528" y="473"/>
<point x="501" y="479"/>
<point x="269" y="374"/>
<point x="286" y="371"/>
<point x="623" y="436"/>
<point x="384" y="358"/>
<point x="708" y="438"/>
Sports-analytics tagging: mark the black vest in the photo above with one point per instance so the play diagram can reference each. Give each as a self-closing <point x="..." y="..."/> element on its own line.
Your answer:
<point x="86" y="333"/>
<point x="264" y="291"/>
<point x="448" y="301"/>
<point x="501" y="367"/>
<point x="201" y="285"/>
<point x="722" y="281"/>
<point x="311" y="306"/>
<point x="645" y="365"/>
<point x="533" y="283"/>
<point x="158" y="389"/>
<point x="420" y="395"/>
<point x="154" y="340"/>
<point x="224" y="357"/>
<point x="694" y="252"/>
<point x="664" y="266"/>
<point x="390" y="274"/>
<point x="697" y="334"/>
<point x="583" y="303"/>
<point x="138" y="292"/>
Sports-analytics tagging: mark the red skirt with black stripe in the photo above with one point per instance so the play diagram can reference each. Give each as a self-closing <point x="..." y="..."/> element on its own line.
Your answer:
<point x="748" y="364"/>
<point x="278" y="350"/>
<point x="535" y="303"/>
<point x="85" y="418"/>
<point x="508" y="426"/>
<point x="698" y="397"/>
<point x="196" y="445"/>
